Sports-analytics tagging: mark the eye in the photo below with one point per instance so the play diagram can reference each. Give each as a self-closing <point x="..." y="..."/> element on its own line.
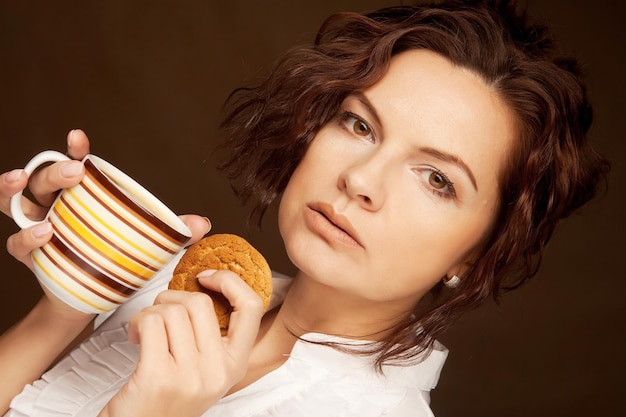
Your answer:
<point x="361" y="128"/>
<point x="355" y="125"/>
<point x="437" y="180"/>
<point x="438" y="183"/>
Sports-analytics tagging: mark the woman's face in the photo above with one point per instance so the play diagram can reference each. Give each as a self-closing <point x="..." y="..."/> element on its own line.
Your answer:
<point x="398" y="190"/>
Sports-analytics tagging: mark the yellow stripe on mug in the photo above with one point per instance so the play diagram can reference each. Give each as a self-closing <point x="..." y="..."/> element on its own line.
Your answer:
<point x="65" y="288"/>
<point x="85" y="234"/>
<point x="118" y="254"/>
<point x="120" y="237"/>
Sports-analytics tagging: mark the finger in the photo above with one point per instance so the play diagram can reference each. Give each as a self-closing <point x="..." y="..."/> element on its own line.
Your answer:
<point x="248" y="309"/>
<point x="22" y="243"/>
<point x="33" y="211"/>
<point x="198" y="225"/>
<point x="11" y="183"/>
<point x="77" y="144"/>
<point x="201" y="314"/>
<point x="180" y="332"/>
<point x="45" y="182"/>
<point x="147" y="329"/>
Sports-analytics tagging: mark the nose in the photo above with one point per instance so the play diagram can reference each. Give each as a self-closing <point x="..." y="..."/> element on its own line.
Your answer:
<point x="363" y="181"/>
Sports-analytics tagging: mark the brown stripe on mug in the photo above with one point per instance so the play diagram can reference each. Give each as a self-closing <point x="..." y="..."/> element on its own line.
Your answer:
<point x="124" y="220"/>
<point x="124" y="289"/>
<point x="44" y="250"/>
<point x="86" y="242"/>
<point x="159" y="224"/>
<point x="102" y="237"/>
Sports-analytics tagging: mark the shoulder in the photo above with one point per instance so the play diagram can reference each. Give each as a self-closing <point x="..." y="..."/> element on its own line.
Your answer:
<point x="423" y="373"/>
<point x="397" y="391"/>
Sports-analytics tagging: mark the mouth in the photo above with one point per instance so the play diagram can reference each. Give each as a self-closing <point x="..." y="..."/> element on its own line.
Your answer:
<point x="333" y="226"/>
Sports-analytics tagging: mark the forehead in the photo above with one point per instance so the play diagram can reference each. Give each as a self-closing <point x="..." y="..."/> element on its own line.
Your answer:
<point x="426" y="98"/>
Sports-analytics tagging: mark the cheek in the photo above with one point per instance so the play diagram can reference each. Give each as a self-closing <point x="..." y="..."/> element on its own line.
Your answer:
<point x="286" y="208"/>
<point x="287" y="224"/>
<point x="294" y="198"/>
<point x="312" y="173"/>
<point x="426" y="242"/>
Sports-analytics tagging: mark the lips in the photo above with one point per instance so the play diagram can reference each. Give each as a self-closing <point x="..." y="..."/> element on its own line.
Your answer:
<point x="331" y="225"/>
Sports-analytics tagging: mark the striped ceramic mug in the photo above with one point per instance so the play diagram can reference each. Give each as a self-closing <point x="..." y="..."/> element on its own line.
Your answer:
<point x="110" y="236"/>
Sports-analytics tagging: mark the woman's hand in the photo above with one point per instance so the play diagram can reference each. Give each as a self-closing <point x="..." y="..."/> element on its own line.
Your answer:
<point x="29" y="347"/>
<point x="44" y="185"/>
<point x="185" y="365"/>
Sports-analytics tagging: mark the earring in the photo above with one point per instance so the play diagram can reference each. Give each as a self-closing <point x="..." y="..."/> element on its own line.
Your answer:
<point x="452" y="282"/>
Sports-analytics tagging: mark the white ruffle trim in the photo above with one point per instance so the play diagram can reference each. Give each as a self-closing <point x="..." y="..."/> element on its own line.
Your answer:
<point x="319" y="381"/>
<point x="315" y="381"/>
<point x="302" y="391"/>
<point x="87" y="378"/>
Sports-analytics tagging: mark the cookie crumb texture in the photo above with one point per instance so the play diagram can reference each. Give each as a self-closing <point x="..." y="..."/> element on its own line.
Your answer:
<point x="223" y="251"/>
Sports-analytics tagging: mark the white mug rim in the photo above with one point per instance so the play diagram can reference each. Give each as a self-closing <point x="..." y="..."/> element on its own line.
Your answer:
<point x="109" y="170"/>
<point x="173" y="221"/>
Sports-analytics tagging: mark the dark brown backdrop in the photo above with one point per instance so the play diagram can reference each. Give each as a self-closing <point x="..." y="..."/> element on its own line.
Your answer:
<point x="146" y="81"/>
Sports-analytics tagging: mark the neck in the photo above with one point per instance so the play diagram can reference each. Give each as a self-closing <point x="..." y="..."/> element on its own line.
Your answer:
<point x="311" y="306"/>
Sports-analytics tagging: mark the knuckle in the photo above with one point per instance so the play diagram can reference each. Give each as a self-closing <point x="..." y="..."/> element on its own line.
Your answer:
<point x="11" y="245"/>
<point x="147" y="316"/>
<point x="226" y="275"/>
<point x="161" y="297"/>
<point x="15" y="245"/>
<point x="199" y="300"/>
<point x="175" y="311"/>
<point x="254" y="304"/>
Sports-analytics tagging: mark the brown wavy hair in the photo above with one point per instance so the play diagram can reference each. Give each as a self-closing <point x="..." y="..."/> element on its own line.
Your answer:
<point x="551" y="171"/>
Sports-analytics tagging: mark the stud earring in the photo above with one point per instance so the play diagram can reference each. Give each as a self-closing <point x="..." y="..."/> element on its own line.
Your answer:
<point x="452" y="282"/>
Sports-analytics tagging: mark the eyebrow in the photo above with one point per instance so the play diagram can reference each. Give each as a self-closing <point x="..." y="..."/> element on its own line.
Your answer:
<point x="368" y="105"/>
<point x="450" y="158"/>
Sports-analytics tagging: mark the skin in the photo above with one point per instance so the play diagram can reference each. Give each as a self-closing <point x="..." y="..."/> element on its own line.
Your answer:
<point x="377" y="171"/>
<point x="371" y="219"/>
<point x="31" y="345"/>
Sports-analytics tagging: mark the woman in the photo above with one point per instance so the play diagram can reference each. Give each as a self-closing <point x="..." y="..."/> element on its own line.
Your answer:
<point x="423" y="157"/>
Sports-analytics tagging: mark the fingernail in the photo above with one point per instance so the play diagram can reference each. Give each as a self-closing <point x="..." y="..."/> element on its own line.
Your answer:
<point x="69" y="137"/>
<point x="14" y="175"/>
<point x="41" y="230"/>
<point x="208" y="221"/>
<point x="71" y="169"/>
<point x="206" y="273"/>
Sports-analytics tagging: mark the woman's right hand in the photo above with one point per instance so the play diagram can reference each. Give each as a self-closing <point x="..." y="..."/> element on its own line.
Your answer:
<point x="44" y="184"/>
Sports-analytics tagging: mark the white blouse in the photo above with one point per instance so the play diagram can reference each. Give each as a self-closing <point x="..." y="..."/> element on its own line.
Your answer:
<point x="316" y="380"/>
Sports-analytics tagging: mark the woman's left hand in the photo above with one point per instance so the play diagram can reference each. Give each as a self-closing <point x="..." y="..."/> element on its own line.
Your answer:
<point x="185" y="365"/>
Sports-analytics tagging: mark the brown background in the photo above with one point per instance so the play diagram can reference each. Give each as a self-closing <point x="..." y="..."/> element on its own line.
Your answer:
<point x="146" y="80"/>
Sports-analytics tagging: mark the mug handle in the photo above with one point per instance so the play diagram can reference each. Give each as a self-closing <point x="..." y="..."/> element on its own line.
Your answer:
<point x="16" y="200"/>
